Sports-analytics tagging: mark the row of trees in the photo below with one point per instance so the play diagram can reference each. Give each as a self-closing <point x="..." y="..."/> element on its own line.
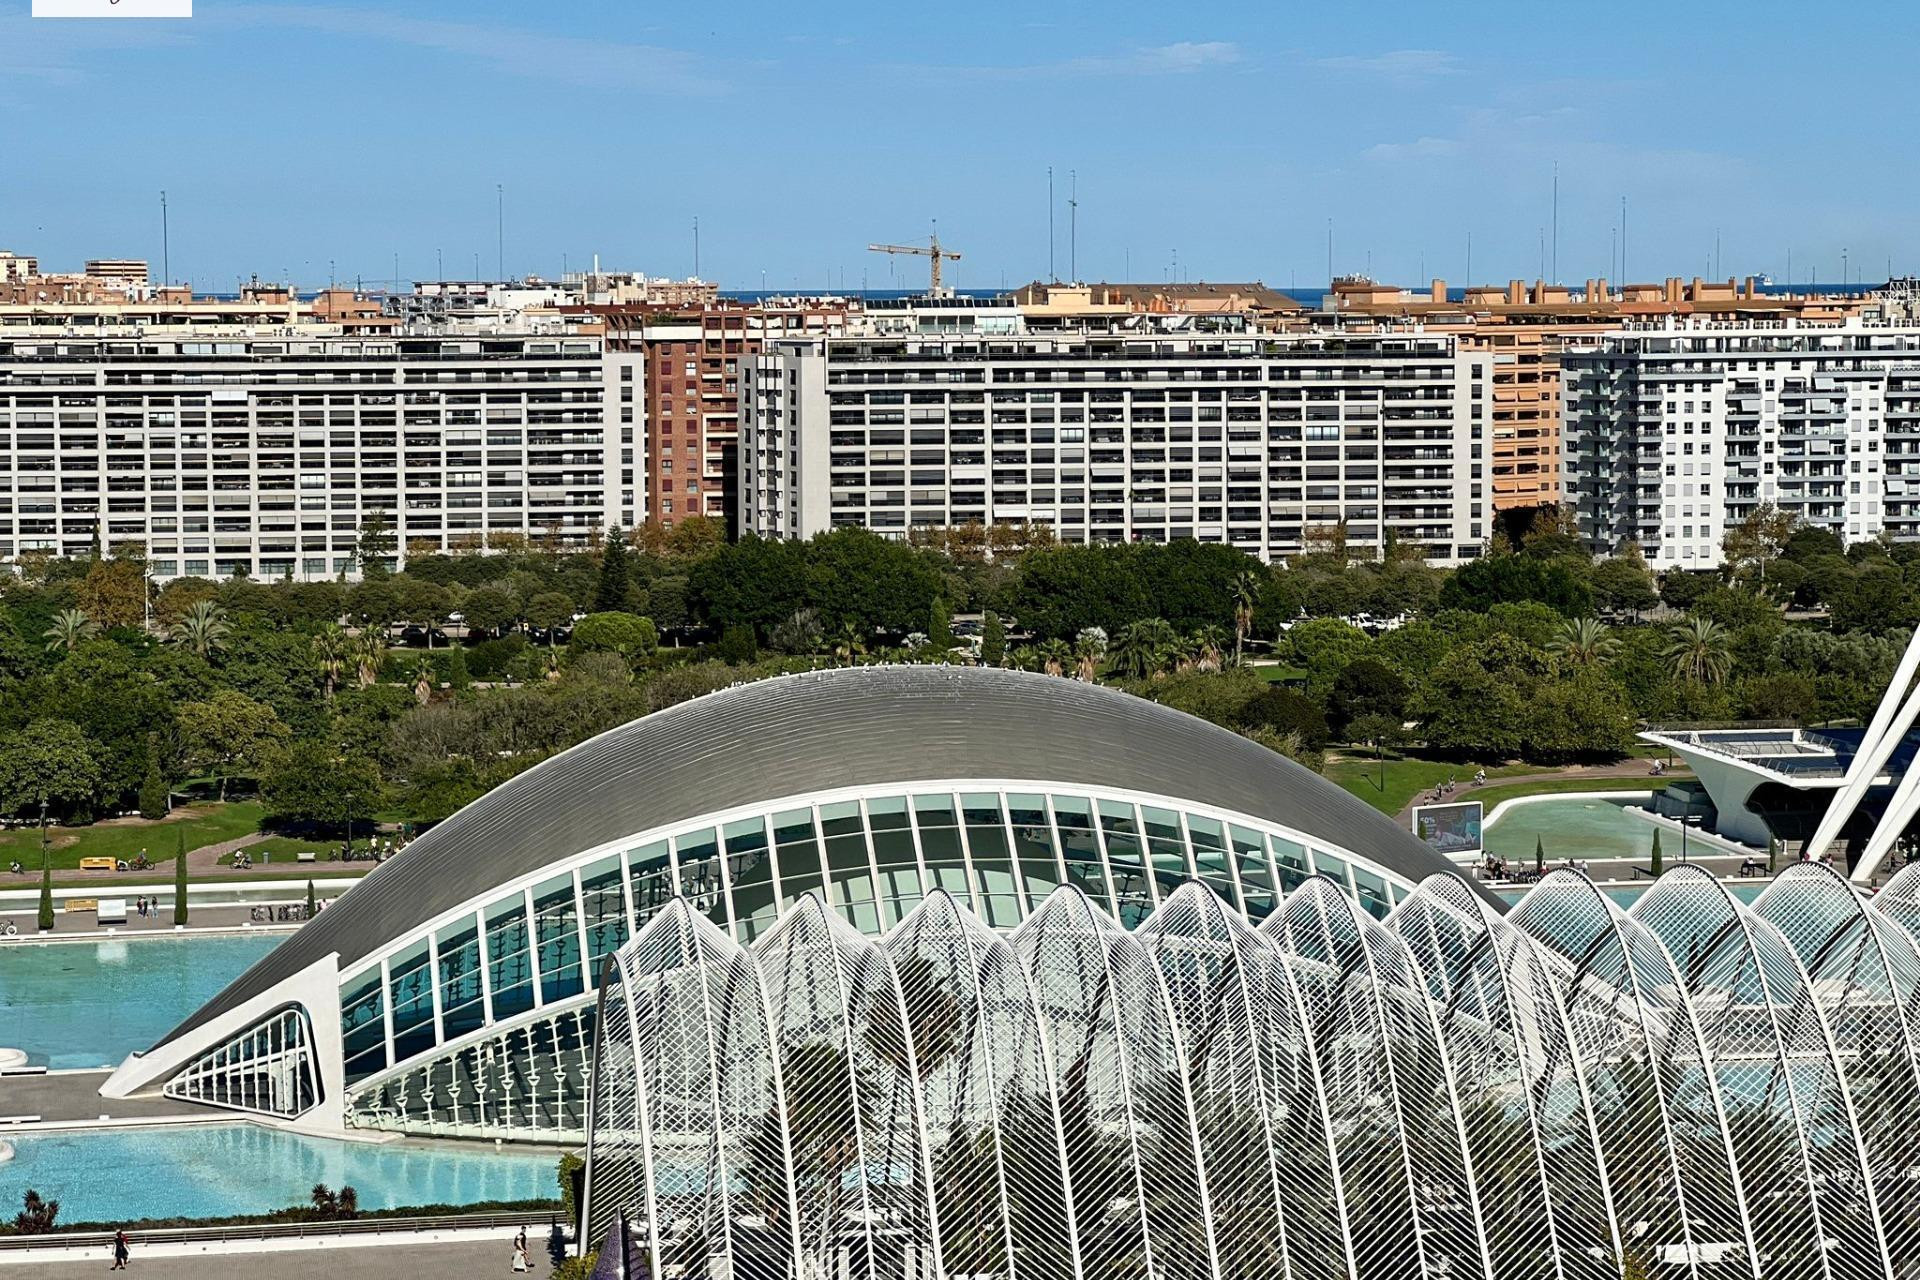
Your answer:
<point x="1535" y="650"/>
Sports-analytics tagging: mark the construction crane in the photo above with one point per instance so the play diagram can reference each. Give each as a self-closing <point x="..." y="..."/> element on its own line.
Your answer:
<point x="931" y="250"/>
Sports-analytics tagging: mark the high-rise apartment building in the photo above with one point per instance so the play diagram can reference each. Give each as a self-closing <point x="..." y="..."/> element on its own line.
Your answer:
<point x="1672" y="435"/>
<point x="1525" y="329"/>
<point x="259" y="450"/>
<point x="687" y="394"/>
<point x="1267" y="442"/>
<point x="17" y="266"/>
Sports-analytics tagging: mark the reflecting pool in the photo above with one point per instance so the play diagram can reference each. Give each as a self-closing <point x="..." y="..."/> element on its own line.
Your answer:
<point x="1580" y="827"/>
<point x="123" y="1175"/>
<point x="90" y="1004"/>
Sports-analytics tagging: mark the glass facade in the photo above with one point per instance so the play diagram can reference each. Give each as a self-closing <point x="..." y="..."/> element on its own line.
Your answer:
<point x="1696" y="1087"/>
<point x="872" y="859"/>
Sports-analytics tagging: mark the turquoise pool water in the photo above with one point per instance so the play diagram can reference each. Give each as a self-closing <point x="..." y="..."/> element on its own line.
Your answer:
<point x="1579" y="827"/>
<point x="90" y="1004"/>
<point x="122" y="1175"/>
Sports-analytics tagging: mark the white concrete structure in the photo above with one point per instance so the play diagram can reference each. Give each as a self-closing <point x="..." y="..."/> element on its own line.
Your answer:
<point x="263" y="450"/>
<point x="1120" y="434"/>
<point x="1733" y="763"/>
<point x="1670" y="436"/>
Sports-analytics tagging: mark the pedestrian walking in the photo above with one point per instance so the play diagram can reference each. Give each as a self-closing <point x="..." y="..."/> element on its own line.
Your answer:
<point x="119" y="1250"/>
<point x="520" y="1251"/>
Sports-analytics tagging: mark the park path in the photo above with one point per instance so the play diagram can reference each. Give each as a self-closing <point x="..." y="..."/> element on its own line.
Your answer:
<point x="1635" y="770"/>
<point x="202" y="863"/>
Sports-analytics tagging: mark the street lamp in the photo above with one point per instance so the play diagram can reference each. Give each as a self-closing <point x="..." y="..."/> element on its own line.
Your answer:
<point x="346" y="812"/>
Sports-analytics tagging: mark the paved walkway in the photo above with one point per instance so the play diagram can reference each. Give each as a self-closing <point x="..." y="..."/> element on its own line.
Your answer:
<point x="71" y="1096"/>
<point x="222" y="916"/>
<point x="1633" y="775"/>
<point x="342" y="1259"/>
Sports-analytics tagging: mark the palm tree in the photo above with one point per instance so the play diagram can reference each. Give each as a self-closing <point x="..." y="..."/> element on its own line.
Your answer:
<point x="1055" y="654"/>
<point x="849" y="643"/>
<point x="1209" y="648"/>
<point x="1701" y="652"/>
<point x="1585" y="642"/>
<point x="369" y="655"/>
<point x="203" y="630"/>
<point x="1089" y="647"/>
<point x="332" y="651"/>
<point x="1246" y="596"/>
<point x="1143" y="648"/>
<point x="425" y="677"/>
<point x="71" y="628"/>
<point x="1024" y="658"/>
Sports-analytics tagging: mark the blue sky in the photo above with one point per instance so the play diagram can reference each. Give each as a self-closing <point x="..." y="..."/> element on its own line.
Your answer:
<point x="291" y="135"/>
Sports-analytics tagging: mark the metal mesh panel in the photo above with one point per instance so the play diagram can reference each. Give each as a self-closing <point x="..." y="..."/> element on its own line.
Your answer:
<point x="1530" y="1127"/>
<point x="1798" y="1150"/>
<point x="1695" y="1088"/>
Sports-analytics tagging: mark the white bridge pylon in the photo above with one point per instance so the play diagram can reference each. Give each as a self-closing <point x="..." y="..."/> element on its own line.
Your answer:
<point x="1892" y="720"/>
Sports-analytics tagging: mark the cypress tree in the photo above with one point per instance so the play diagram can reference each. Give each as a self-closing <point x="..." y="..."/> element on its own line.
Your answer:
<point x="46" y="890"/>
<point x="1773" y="853"/>
<point x="993" y="640"/>
<point x="457" y="674"/>
<point x="940" y="626"/>
<point x="610" y="593"/>
<point x="180" y="878"/>
<point x="153" y="788"/>
<point x="1539" y="855"/>
<point x="313" y="907"/>
<point x="1659" y="862"/>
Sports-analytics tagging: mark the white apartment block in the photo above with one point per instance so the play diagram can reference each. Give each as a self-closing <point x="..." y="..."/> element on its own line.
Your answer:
<point x="1671" y="436"/>
<point x="262" y="451"/>
<point x="1110" y="436"/>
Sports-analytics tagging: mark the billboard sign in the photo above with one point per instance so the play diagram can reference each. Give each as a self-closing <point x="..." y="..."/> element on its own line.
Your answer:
<point x="1451" y="830"/>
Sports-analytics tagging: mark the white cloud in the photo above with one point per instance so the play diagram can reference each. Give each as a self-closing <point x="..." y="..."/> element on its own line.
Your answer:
<point x="1418" y="149"/>
<point x="515" y="51"/>
<point x="1398" y="64"/>
<point x="1183" y="57"/>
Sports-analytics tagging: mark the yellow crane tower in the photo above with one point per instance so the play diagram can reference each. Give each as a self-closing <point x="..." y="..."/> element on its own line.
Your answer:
<point x="931" y="250"/>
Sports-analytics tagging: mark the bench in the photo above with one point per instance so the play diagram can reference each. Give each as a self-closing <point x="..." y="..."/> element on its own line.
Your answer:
<point x="80" y="904"/>
<point x="307" y="855"/>
<point x="99" y="864"/>
<point x="110" y="911"/>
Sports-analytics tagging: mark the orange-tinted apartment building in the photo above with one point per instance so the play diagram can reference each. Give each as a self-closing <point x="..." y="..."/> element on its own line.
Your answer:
<point x="1527" y="328"/>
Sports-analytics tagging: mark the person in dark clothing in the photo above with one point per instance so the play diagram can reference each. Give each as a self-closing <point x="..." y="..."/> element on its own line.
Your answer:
<point x="119" y="1251"/>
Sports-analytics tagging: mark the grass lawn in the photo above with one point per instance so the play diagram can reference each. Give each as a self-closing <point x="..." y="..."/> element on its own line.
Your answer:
<point x="124" y="837"/>
<point x="1493" y="795"/>
<point x="1278" y="672"/>
<point x="1407" y="777"/>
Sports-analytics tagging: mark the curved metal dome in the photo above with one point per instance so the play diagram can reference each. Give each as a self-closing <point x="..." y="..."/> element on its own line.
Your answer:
<point x="820" y="731"/>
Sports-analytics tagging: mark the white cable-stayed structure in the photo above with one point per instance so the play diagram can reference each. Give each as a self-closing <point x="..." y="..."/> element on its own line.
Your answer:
<point x="1892" y="720"/>
<point x="1694" y="1087"/>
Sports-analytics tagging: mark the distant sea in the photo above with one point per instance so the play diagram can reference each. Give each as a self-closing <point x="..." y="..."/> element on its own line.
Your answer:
<point x="1310" y="298"/>
<point x="1306" y="297"/>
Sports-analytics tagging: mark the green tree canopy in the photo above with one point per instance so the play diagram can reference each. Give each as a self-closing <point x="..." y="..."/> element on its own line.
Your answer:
<point x="633" y="638"/>
<point x="48" y="762"/>
<point x="230" y="733"/>
<point x="313" y="784"/>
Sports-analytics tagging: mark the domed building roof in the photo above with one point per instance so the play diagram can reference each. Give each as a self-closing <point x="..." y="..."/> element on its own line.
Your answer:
<point x="797" y="735"/>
